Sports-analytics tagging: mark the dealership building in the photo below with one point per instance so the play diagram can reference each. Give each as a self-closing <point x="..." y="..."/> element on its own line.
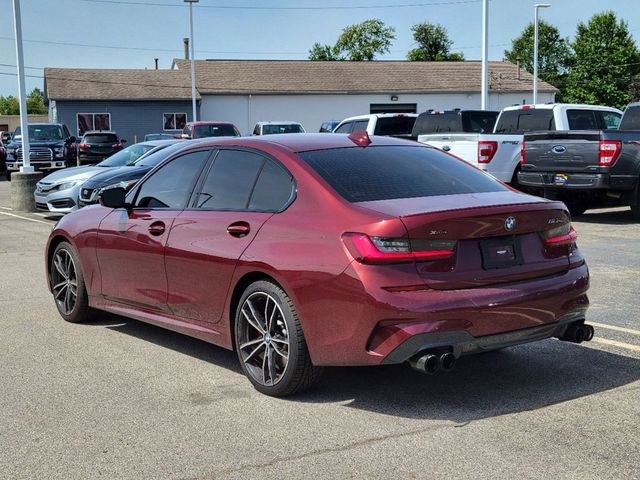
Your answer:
<point x="136" y="102"/>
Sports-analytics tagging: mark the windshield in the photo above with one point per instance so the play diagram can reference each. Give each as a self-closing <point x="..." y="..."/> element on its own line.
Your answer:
<point x="271" y="129"/>
<point x="43" y="132"/>
<point x="223" y="130"/>
<point x="154" y="158"/>
<point x="128" y="156"/>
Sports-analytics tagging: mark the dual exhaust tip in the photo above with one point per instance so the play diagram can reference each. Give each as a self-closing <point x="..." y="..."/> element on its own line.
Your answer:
<point x="430" y="363"/>
<point x="578" y="333"/>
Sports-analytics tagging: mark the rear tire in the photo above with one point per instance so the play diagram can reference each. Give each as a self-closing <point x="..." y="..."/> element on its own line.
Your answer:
<point x="67" y="284"/>
<point x="635" y="209"/>
<point x="7" y="175"/>
<point x="270" y="343"/>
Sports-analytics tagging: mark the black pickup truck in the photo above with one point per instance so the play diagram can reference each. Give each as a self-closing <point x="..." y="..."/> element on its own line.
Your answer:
<point x="586" y="169"/>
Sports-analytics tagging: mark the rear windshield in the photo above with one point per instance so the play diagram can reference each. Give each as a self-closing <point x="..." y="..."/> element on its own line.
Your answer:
<point x="400" y="125"/>
<point x="389" y="172"/>
<point x="631" y="119"/>
<point x="272" y="129"/>
<point x="100" y="138"/>
<point x="202" y="131"/>
<point x="520" y="121"/>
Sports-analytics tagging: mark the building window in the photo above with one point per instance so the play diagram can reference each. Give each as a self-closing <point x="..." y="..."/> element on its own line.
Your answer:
<point x="174" y="121"/>
<point x="93" y="121"/>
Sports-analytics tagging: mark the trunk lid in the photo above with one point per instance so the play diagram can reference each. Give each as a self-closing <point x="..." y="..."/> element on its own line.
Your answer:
<point x="498" y="235"/>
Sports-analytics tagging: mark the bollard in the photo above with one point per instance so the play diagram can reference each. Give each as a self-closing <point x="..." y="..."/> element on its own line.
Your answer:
<point x="22" y="187"/>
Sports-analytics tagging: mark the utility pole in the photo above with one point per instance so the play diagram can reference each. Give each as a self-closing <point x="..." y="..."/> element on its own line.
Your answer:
<point x="193" y="60"/>
<point x="536" y="7"/>
<point x="484" y="94"/>
<point x="22" y="94"/>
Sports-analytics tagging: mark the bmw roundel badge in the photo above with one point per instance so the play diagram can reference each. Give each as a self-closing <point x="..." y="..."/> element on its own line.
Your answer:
<point x="510" y="224"/>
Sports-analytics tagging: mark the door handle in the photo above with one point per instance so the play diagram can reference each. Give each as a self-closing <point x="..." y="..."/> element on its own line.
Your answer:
<point x="239" y="229"/>
<point x="156" y="228"/>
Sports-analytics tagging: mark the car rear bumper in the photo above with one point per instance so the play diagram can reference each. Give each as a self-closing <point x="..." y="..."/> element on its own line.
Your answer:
<point x="583" y="181"/>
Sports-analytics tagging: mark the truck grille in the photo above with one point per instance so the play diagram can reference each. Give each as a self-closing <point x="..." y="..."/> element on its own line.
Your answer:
<point x="37" y="154"/>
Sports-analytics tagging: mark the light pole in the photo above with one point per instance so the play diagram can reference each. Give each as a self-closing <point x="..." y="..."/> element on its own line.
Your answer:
<point x="22" y="94"/>
<point x="484" y="94"/>
<point x="536" y="7"/>
<point x="193" y="61"/>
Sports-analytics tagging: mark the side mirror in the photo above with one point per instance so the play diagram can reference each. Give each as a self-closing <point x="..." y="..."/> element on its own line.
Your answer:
<point x="113" y="198"/>
<point x="71" y="140"/>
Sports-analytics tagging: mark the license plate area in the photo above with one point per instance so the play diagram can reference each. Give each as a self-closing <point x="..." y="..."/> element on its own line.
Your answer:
<point x="501" y="252"/>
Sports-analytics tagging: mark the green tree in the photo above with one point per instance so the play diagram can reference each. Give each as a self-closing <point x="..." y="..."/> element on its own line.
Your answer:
<point x="9" y="105"/>
<point x="605" y="63"/>
<point x="359" y="42"/>
<point x="35" y="102"/>
<point x="554" y="53"/>
<point x="434" y="44"/>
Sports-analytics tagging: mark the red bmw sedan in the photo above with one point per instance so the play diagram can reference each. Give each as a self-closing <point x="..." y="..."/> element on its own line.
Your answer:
<point x="301" y="251"/>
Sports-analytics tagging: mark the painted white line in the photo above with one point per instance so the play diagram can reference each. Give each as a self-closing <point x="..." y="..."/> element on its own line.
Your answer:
<point x="613" y="327"/>
<point x="26" y="218"/>
<point x="6" y="208"/>
<point x="613" y="343"/>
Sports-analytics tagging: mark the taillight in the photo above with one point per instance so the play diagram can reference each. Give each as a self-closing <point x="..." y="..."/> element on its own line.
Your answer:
<point x="486" y="151"/>
<point x="562" y="235"/>
<point x="84" y="145"/>
<point x="383" y="250"/>
<point x="522" y="157"/>
<point x="116" y="145"/>
<point x="609" y="151"/>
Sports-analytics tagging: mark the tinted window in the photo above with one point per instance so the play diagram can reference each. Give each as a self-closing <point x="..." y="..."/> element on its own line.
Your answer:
<point x="479" y="122"/>
<point x="381" y="173"/>
<point x="100" y="138"/>
<point x="520" y="121"/>
<point x="582" y="120"/>
<point x="609" y="120"/>
<point x="271" y="129"/>
<point x="171" y="186"/>
<point x="344" y="128"/>
<point x="230" y="181"/>
<point x="631" y="118"/>
<point x="436" y="123"/>
<point x="360" y="125"/>
<point x="394" y="125"/>
<point x="201" y="131"/>
<point x="272" y="190"/>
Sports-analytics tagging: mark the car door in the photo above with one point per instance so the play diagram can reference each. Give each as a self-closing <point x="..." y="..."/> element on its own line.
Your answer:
<point x="241" y="191"/>
<point x="130" y="245"/>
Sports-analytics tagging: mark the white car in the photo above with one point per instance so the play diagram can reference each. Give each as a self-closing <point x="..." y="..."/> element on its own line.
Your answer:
<point x="499" y="152"/>
<point x="275" y="127"/>
<point x="387" y="124"/>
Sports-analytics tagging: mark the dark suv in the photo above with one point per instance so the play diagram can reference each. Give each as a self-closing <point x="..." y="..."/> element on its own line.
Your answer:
<point x="98" y="145"/>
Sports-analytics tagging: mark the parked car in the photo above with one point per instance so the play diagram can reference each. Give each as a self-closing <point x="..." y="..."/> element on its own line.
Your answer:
<point x="48" y="148"/>
<point x="498" y="153"/>
<point x="277" y="248"/>
<point x="59" y="191"/>
<point x="586" y="169"/>
<point x="126" y="176"/>
<point x="328" y="126"/>
<point x="98" y="145"/>
<point x="454" y="121"/>
<point x="3" y="159"/>
<point x="276" y="127"/>
<point x="385" y="124"/>
<point x="194" y="130"/>
<point x="158" y="136"/>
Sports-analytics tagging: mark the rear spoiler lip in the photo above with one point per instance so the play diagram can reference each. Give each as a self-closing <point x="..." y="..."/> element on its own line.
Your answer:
<point x="497" y="209"/>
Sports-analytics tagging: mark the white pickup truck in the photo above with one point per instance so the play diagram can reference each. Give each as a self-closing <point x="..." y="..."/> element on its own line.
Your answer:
<point x="499" y="153"/>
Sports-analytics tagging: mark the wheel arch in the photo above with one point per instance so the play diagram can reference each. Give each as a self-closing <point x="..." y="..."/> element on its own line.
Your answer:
<point x="53" y="243"/>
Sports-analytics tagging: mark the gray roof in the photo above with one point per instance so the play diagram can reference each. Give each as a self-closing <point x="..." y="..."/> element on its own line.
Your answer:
<point x="219" y="77"/>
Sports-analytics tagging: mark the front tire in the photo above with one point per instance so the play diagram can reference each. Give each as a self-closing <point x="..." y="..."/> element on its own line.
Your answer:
<point x="67" y="284"/>
<point x="270" y="343"/>
<point x="7" y="175"/>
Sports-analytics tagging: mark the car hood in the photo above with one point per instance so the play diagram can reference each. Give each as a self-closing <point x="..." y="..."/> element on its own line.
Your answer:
<point x="115" y="175"/>
<point x="72" y="173"/>
<point x="41" y="143"/>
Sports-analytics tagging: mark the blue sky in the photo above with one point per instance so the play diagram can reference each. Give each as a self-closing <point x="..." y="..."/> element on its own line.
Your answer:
<point x="136" y="31"/>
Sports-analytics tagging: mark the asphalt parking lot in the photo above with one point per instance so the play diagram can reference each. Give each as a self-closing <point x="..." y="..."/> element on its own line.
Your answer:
<point x="117" y="398"/>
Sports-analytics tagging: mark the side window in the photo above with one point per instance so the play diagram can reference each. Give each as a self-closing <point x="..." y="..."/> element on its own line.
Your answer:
<point x="360" y="125"/>
<point x="582" y="120"/>
<point x="171" y="186"/>
<point x="344" y="128"/>
<point x="272" y="190"/>
<point x="230" y="181"/>
<point x="610" y="120"/>
<point x="66" y="131"/>
<point x="256" y="130"/>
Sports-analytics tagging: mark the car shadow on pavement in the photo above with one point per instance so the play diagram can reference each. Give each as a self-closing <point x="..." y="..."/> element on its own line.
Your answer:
<point x="517" y="379"/>
<point x="607" y="217"/>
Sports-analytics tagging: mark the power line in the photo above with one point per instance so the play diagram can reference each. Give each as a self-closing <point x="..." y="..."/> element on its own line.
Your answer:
<point x="258" y="7"/>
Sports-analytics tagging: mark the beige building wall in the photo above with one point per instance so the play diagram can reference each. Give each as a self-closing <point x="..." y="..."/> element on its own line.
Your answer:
<point x="8" y="123"/>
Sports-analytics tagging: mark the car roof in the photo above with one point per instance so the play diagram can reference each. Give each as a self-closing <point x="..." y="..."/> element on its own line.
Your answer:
<point x="209" y="123"/>
<point x="379" y="115"/>
<point x="300" y="142"/>
<point x="98" y="132"/>
<point x="278" y="122"/>
<point x="577" y="106"/>
<point x="158" y="143"/>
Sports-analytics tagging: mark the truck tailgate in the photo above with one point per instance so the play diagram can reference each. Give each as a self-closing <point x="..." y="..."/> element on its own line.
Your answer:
<point x="573" y="152"/>
<point x="464" y="146"/>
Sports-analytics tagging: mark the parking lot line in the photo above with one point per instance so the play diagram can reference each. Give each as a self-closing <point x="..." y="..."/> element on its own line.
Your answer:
<point x="25" y="218"/>
<point x="617" y="329"/>
<point x="613" y="343"/>
<point x="6" y="208"/>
